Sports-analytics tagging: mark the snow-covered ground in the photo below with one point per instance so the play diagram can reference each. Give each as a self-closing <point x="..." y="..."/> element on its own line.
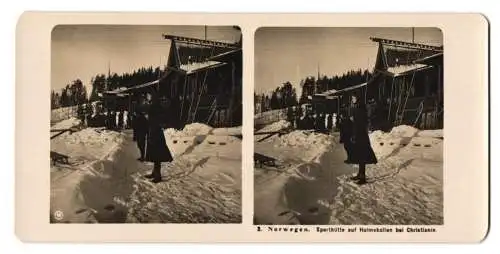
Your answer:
<point x="103" y="181"/>
<point x="202" y="185"/>
<point x="87" y="149"/>
<point x="311" y="186"/>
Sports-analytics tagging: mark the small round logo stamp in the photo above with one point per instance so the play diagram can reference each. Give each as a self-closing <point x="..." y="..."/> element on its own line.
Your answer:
<point x="58" y="215"/>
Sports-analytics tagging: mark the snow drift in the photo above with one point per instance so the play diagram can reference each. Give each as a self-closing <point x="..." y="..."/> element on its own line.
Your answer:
<point x="201" y="185"/>
<point x="276" y="126"/>
<point x="405" y="187"/>
<point x="90" y="151"/>
<point x="104" y="182"/>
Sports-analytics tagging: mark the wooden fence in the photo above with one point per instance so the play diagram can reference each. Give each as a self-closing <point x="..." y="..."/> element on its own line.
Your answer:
<point x="60" y="114"/>
<point x="268" y="117"/>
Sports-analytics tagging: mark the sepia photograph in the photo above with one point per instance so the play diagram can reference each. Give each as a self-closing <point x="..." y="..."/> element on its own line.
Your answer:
<point x="146" y="124"/>
<point x="348" y="126"/>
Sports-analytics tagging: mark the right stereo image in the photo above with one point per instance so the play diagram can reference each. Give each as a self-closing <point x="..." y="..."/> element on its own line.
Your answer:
<point x="348" y="126"/>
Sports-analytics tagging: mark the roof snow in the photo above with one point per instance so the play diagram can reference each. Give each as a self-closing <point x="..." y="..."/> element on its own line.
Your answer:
<point x="401" y="69"/>
<point x="193" y="67"/>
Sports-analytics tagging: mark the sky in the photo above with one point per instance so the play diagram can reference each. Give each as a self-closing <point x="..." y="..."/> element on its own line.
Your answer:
<point x="291" y="54"/>
<point x="82" y="51"/>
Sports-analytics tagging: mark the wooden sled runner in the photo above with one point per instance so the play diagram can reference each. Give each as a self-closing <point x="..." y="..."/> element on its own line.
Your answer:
<point x="260" y="160"/>
<point x="269" y="134"/>
<point x="57" y="157"/>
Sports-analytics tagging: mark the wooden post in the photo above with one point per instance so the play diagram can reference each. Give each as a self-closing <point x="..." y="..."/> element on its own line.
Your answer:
<point x="231" y="100"/>
<point x="129" y="103"/>
<point x="439" y="84"/>
<point x="427" y="88"/>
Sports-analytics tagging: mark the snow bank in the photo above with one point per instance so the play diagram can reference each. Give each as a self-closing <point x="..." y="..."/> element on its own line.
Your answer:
<point x="66" y="124"/>
<point x="403" y="131"/>
<point x="298" y="145"/>
<point x="304" y="139"/>
<point x="91" y="136"/>
<point x="431" y="133"/>
<point x="193" y="129"/>
<point x="227" y="131"/>
<point x="198" y="129"/>
<point x="201" y="138"/>
<point x="89" y="143"/>
<point x="406" y="139"/>
<point x="219" y="146"/>
<point x="276" y="126"/>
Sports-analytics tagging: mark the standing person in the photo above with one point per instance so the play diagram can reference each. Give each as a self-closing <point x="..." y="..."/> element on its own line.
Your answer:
<point x="362" y="151"/>
<point x="338" y="122"/>
<point x="345" y="128"/>
<point x="329" y="122"/>
<point x="125" y="119"/>
<point x="322" y="123"/>
<point x="120" y="120"/>
<point x="117" y="117"/>
<point x="109" y="120"/>
<point x="130" y="117"/>
<point x="113" y="120"/>
<point x="140" y="129"/>
<point x="290" y="115"/>
<point x="156" y="146"/>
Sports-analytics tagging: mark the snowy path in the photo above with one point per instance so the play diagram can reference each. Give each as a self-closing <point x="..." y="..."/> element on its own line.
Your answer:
<point x="403" y="191"/>
<point x="196" y="188"/>
<point x="301" y="192"/>
<point x="96" y="188"/>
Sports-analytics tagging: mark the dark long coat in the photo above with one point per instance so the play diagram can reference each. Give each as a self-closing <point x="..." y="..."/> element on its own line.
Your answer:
<point x="140" y="126"/>
<point x="156" y="146"/>
<point x="362" y="152"/>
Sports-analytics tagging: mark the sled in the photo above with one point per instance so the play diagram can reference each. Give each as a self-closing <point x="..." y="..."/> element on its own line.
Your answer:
<point x="272" y="133"/>
<point x="62" y="131"/>
<point x="260" y="160"/>
<point x="57" y="157"/>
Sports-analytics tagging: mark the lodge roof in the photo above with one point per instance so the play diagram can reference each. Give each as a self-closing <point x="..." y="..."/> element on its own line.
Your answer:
<point x="227" y="56"/>
<point x="200" y="42"/>
<point x="431" y="60"/>
<point x="404" y="44"/>
<point x="200" y="66"/>
<point x="395" y="58"/>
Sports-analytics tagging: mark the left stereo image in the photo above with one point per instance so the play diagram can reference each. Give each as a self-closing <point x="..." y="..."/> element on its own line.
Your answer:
<point x="145" y="124"/>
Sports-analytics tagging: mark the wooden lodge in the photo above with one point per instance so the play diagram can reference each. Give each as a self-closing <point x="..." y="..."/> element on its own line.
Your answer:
<point x="202" y="83"/>
<point x="406" y="87"/>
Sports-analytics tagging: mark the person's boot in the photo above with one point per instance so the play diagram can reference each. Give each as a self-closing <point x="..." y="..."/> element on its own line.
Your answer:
<point x="156" y="180"/>
<point x="361" y="181"/>
<point x="348" y="161"/>
<point x="354" y="178"/>
<point x="156" y="175"/>
<point x="361" y="174"/>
